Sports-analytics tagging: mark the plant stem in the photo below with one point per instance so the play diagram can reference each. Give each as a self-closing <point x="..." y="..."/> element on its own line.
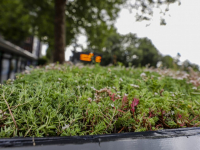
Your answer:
<point x="10" y="111"/>
<point x="121" y="130"/>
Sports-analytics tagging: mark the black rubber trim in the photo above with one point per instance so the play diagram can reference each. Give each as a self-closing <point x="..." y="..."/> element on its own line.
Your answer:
<point x="31" y="141"/>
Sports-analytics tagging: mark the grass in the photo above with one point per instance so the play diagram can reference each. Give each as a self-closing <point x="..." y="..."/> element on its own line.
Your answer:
<point x="61" y="100"/>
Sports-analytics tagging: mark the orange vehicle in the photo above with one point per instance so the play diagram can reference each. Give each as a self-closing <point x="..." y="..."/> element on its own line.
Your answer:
<point x="86" y="57"/>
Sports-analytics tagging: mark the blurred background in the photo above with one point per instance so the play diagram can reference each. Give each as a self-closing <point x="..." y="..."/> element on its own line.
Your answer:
<point x="157" y="33"/>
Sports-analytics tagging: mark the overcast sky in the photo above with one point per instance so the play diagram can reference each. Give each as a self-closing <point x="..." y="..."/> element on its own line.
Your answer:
<point x="180" y="35"/>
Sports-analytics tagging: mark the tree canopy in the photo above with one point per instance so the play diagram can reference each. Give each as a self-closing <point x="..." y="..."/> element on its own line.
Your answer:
<point x="37" y="17"/>
<point x="129" y="49"/>
<point x="15" y="21"/>
<point x="21" y="18"/>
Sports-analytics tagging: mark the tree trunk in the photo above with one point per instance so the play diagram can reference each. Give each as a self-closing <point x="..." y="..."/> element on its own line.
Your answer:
<point x="59" y="50"/>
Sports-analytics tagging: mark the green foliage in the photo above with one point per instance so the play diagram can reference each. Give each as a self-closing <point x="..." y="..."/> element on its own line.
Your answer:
<point x="67" y="101"/>
<point x="15" y="22"/>
<point x="145" y="8"/>
<point x="149" y="53"/>
<point x="42" y="61"/>
<point x="95" y="19"/>
<point x="187" y="64"/>
<point x="129" y="50"/>
<point x="168" y="61"/>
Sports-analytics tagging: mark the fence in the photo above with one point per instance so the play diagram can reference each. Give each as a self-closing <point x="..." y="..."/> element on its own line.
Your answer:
<point x="13" y="59"/>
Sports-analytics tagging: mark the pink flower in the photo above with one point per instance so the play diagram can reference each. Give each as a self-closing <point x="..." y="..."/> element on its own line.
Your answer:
<point x="135" y="102"/>
<point x="120" y="110"/>
<point x="124" y="100"/>
<point x="150" y="113"/>
<point x="113" y="97"/>
<point x="179" y="116"/>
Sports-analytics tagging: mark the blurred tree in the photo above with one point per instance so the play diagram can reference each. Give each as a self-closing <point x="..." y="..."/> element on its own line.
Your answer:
<point x="168" y="61"/>
<point x="95" y="18"/>
<point x="130" y="49"/>
<point x="145" y="8"/>
<point x="20" y="18"/>
<point x="111" y="49"/>
<point x="15" y="21"/>
<point x="150" y="54"/>
<point x="59" y="30"/>
<point x="187" y="64"/>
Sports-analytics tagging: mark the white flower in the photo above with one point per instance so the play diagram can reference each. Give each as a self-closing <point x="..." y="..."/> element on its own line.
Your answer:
<point x="89" y="99"/>
<point x="136" y="86"/>
<point x="78" y="87"/>
<point x="28" y="68"/>
<point x="125" y="94"/>
<point x="142" y="74"/>
<point x="52" y="64"/>
<point x="172" y="112"/>
<point x="93" y="88"/>
<point x="135" y="57"/>
<point x="114" y="87"/>
<point x="185" y="76"/>
<point x="173" y="94"/>
<point x="112" y="105"/>
<point x="59" y="79"/>
<point x="179" y="78"/>
<point x="120" y="79"/>
<point x="159" y="64"/>
<point x="47" y="67"/>
<point x="155" y="93"/>
<point x="65" y="127"/>
<point x="194" y="88"/>
<point x="27" y="71"/>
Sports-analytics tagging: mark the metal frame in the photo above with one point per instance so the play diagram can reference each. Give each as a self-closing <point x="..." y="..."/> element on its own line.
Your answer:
<point x="20" y="55"/>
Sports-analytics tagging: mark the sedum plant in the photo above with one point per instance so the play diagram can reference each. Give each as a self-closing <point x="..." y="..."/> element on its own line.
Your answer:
<point x="60" y="100"/>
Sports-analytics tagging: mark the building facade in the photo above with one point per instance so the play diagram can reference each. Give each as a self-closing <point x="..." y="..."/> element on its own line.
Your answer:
<point x="13" y="59"/>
